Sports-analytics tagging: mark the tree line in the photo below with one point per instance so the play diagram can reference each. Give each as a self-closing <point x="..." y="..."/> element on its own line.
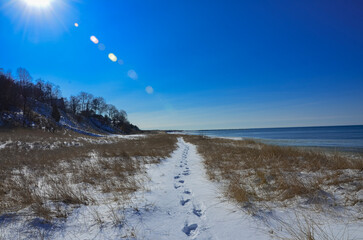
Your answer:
<point x="22" y="91"/>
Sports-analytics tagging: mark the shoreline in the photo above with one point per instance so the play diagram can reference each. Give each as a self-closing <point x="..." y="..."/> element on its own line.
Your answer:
<point x="277" y="142"/>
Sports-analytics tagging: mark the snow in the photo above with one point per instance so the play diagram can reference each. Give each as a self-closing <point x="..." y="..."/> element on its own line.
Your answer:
<point x="131" y="136"/>
<point x="177" y="202"/>
<point x="188" y="205"/>
<point x="76" y="141"/>
<point x="3" y="145"/>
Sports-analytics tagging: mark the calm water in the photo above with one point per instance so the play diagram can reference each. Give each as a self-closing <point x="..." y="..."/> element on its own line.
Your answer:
<point x="348" y="138"/>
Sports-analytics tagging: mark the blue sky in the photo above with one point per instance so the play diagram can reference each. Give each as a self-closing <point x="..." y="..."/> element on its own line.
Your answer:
<point x="212" y="64"/>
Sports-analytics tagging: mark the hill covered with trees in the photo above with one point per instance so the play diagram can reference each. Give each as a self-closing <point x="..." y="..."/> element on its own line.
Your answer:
<point x="39" y="104"/>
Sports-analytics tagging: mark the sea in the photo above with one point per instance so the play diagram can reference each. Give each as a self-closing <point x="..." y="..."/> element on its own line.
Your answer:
<point x="341" y="138"/>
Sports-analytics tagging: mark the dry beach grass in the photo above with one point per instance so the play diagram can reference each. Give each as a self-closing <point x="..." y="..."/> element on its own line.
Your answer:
<point x="50" y="172"/>
<point x="256" y="172"/>
<point x="49" y="175"/>
<point x="312" y="184"/>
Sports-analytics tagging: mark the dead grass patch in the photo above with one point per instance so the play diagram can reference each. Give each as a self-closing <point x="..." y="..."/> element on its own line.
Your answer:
<point x="260" y="172"/>
<point x="70" y="174"/>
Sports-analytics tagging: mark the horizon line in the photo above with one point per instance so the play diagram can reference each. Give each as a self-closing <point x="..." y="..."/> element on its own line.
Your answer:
<point x="216" y="129"/>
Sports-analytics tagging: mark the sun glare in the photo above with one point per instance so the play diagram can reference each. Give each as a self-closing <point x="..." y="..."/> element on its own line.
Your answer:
<point x="38" y="3"/>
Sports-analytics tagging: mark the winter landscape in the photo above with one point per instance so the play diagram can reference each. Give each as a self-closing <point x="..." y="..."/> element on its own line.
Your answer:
<point x="181" y="120"/>
<point x="66" y="185"/>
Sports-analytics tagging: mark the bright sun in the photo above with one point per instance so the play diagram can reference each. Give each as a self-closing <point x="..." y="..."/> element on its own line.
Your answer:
<point x="38" y="3"/>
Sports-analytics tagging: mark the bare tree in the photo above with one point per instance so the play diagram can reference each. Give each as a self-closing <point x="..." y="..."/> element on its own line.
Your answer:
<point x="74" y="104"/>
<point x="123" y="114"/>
<point x="103" y="106"/>
<point x="85" y="101"/>
<point x="95" y="105"/>
<point x="98" y="105"/>
<point x="120" y="118"/>
<point x="82" y="97"/>
<point x="56" y="92"/>
<point x="89" y="100"/>
<point x="39" y="90"/>
<point x="23" y="76"/>
<point x="111" y="111"/>
<point x="48" y="92"/>
<point x="25" y="83"/>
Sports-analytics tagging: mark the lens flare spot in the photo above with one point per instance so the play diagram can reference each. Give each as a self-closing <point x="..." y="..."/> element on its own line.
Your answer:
<point x="149" y="90"/>
<point x="94" y="39"/>
<point x="112" y="57"/>
<point x="132" y="74"/>
<point x="120" y="61"/>
<point x="101" y="46"/>
<point x="76" y="24"/>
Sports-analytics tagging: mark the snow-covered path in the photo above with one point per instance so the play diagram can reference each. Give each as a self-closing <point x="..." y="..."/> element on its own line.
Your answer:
<point x="178" y="202"/>
<point x="188" y="206"/>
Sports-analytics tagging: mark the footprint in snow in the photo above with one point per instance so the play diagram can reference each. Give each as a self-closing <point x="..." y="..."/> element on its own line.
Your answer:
<point x="187" y="192"/>
<point x="176" y="177"/>
<point x="181" y="181"/>
<point x="183" y="202"/>
<point x="188" y="229"/>
<point x="197" y="212"/>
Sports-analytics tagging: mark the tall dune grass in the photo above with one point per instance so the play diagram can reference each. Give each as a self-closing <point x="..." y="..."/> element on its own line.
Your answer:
<point x="256" y="172"/>
<point x="48" y="180"/>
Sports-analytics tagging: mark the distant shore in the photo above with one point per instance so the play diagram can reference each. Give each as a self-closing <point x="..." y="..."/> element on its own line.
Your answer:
<point x="330" y="138"/>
